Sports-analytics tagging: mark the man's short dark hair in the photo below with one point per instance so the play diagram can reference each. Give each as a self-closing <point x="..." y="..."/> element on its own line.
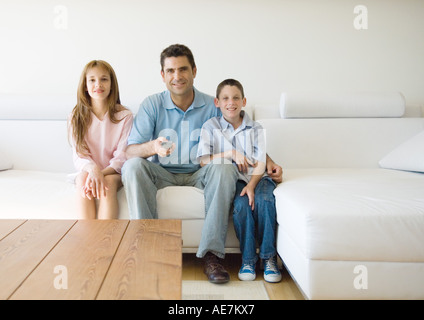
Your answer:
<point x="229" y="82"/>
<point x="177" y="50"/>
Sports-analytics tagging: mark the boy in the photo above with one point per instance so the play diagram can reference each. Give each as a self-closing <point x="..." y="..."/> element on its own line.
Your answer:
<point x="235" y="138"/>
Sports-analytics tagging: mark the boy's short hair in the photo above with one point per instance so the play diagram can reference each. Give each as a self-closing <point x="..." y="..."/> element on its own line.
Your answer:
<point x="229" y="82"/>
<point x="177" y="50"/>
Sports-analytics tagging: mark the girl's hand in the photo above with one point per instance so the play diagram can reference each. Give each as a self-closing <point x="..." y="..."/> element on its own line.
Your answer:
<point x="95" y="185"/>
<point x="86" y="193"/>
<point x="250" y="192"/>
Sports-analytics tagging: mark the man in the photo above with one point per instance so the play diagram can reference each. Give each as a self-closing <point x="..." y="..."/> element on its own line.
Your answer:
<point x="167" y="128"/>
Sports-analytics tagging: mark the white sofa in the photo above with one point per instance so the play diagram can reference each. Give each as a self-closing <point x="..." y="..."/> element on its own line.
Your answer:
<point x="346" y="227"/>
<point x="349" y="227"/>
<point x="36" y="158"/>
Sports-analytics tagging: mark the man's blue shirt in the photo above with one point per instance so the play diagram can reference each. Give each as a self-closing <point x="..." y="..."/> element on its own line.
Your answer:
<point x="158" y="116"/>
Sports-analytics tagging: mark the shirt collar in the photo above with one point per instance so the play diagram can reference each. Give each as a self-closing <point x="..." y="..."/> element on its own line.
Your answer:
<point x="198" y="101"/>
<point x="245" y="124"/>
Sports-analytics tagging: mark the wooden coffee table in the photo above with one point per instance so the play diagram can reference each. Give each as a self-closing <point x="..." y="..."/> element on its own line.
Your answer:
<point x="90" y="259"/>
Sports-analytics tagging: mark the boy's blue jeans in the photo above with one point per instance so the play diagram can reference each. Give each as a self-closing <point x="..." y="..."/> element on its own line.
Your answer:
<point x="142" y="178"/>
<point x="259" y="224"/>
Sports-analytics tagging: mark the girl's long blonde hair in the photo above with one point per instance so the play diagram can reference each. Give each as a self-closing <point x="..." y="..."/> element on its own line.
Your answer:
<point x="81" y="114"/>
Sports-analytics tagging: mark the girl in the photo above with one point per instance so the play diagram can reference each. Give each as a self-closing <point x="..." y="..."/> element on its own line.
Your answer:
<point x="98" y="128"/>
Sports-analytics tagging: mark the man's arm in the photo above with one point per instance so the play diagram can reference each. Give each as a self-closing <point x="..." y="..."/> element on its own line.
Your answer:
<point x="148" y="149"/>
<point x="142" y="150"/>
<point x="142" y="130"/>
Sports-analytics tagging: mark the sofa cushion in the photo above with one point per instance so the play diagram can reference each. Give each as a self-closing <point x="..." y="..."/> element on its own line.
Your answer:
<point x="408" y="156"/>
<point x="36" y="195"/>
<point x="341" y="105"/>
<point x="353" y="214"/>
<point x="28" y="194"/>
<point x="170" y="206"/>
<point x="5" y="163"/>
<point x="40" y="145"/>
<point x="336" y="143"/>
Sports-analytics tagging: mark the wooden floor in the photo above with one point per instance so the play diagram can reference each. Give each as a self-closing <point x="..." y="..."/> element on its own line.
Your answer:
<point x="284" y="290"/>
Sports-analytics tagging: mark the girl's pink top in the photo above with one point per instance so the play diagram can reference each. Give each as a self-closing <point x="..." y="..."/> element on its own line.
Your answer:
<point x="106" y="141"/>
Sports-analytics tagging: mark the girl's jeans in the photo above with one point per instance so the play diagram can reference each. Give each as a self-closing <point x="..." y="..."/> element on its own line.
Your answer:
<point x="259" y="224"/>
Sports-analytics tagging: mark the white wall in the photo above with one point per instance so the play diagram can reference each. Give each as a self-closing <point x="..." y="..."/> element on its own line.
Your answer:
<point x="269" y="45"/>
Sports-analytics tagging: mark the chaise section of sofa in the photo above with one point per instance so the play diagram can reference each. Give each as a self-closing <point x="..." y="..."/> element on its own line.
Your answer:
<point x="347" y="227"/>
<point x="339" y="221"/>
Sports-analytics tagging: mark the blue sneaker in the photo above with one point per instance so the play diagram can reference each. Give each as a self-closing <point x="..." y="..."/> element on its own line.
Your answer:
<point x="247" y="272"/>
<point x="271" y="272"/>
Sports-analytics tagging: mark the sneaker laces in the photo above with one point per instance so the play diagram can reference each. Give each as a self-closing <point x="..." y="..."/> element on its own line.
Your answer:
<point x="271" y="265"/>
<point x="247" y="267"/>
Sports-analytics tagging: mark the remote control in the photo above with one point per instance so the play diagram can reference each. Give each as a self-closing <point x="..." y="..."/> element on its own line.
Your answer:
<point x="166" y="144"/>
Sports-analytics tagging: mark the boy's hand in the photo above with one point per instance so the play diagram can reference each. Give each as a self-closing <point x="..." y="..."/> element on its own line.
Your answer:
<point x="242" y="162"/>
<point x="250" y="192"/>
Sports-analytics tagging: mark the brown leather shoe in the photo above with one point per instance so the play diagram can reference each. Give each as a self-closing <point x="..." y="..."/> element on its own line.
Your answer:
<point x="214" y="270"/>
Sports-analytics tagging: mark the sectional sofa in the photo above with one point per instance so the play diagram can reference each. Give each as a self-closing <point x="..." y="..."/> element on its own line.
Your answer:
<point x="350" y="210"/>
